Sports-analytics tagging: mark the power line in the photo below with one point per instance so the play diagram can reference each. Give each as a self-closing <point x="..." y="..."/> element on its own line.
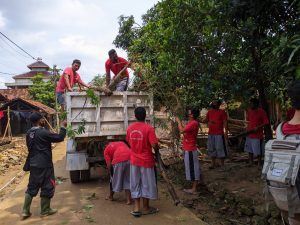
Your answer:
<point x="5" y="41"/>
<point x="17" y="45"/>
<point x="6" y="73"/>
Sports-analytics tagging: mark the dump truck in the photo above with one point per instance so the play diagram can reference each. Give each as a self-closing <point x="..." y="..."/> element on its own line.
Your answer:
<point x="107" y="121"/>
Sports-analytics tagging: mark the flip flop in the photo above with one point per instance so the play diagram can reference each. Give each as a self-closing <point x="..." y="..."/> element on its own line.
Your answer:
<point x="187" y="191"/>
<point x="136" y="213"/>
<point x="151" y="210"/>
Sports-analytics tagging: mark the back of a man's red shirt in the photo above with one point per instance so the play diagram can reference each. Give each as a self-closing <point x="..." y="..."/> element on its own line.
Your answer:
<point x="141" y="136"/>
<point x="216" y="118"/>
<point x="116" y="152"/>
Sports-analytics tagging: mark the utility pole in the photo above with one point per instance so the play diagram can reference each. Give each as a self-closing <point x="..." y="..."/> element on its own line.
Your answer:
<point x="56" y="105"/>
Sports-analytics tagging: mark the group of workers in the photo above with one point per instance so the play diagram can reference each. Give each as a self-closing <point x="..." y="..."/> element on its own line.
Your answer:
<point x="131" y="164"/>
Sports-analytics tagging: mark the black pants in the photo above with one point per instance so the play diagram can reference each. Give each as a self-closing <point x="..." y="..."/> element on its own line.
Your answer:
<point x="41" y="178"/>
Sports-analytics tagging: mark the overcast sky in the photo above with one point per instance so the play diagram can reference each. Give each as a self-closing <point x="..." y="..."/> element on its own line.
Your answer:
<point x="59" y="31"/>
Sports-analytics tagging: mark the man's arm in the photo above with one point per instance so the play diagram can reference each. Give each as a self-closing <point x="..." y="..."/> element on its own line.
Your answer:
<point x="53" y="137"/>
<point x="180" y="126"/>
<point x="107" y="77"/>
<point x="66" y="77"/>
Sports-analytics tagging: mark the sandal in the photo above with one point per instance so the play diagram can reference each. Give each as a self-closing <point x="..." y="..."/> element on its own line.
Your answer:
<point x="136" y="213"/>
<point x="188" y="191"/>
<point x="151" y="210"/>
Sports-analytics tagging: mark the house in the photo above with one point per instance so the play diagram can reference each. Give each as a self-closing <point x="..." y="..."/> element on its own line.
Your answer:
<point x="20" y="111"/>
<point x="24" y="80"/>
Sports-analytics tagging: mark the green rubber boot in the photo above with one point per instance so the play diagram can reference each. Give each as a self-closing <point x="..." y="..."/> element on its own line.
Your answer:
<point x="45" y="207"/>
<point x="26" y="207"/>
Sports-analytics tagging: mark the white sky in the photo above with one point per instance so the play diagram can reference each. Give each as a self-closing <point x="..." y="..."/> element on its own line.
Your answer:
<point x="59" y="31"/>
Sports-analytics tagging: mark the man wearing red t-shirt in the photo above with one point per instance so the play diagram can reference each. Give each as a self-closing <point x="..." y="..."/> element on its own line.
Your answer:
<point x="116" y="64"/>
<point x="257" y="119"/>
<point x="117" y="156"/>
<point x="191" y="161"/>
<point x="292" y="129"/>
<point x="66" y="82"/>
<point x="216" y="119"/>
<point x="141" y="138"/>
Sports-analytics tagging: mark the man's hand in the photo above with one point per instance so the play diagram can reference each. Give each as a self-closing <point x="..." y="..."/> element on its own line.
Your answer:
<point x="177" y="119"/>
<point x="64" y="123"/>
<point x="70" y="89"/>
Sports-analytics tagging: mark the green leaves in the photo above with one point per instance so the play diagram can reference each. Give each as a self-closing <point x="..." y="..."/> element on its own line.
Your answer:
<point x="95" y="99"/>
<point x="42" y="91"/>
<point x="71" y="133"/>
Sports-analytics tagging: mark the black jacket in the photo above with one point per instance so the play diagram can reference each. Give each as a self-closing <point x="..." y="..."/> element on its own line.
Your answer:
<point x="38" y="141"/>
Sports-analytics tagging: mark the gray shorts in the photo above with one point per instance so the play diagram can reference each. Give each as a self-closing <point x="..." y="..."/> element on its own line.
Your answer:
<point x="122" y="85"/>
<point x="216" y="146"/>
<point x="143" y="182"/>
<point x="120" y="179"/>
<point x="254" y="146"/>
<point x="60" y="96"/>
<point x="192" y="165"/>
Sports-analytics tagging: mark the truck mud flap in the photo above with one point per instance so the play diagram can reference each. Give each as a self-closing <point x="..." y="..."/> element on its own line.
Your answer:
<point x="77" y="161"/>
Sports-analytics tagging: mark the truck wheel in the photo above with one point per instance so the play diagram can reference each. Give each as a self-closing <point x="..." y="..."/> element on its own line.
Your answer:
<point x="85" y="175"/>
<point x="75" y="176"/>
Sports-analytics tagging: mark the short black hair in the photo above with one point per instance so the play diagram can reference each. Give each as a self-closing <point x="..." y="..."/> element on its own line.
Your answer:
<point x="294" y="94"/>
<point x="140" y="113"/>
<point x="254" y="101"/>
<point x="112" y="51"/>
<point x="195" y="113"/>
<point x="35" y="117"/>
<point x="77" y="61"/>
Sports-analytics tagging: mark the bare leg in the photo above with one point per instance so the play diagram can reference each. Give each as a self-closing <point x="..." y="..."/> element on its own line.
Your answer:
<point x="110" y="196"/>
<point x="251" y="158"/>
<point x="194" y="186"/>
<point x="128" y="197"/>
<point x="213" y="163"/>
<point x="259" y="160"/>
<point x="146" y="204"/>
<point x="137" y="205"/>
<point x="222" y="161"/>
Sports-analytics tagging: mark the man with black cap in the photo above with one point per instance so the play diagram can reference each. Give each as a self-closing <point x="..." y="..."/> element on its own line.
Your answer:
<point x="38" y="141"/>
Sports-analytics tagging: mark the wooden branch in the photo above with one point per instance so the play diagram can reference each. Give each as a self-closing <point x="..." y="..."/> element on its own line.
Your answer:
<point x="117" y="79"/>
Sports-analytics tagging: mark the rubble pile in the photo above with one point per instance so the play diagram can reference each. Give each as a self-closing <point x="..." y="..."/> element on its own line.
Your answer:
<point x="12" y="154"/>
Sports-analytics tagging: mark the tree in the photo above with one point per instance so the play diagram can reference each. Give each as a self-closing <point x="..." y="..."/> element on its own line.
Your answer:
<point x="42" y="91"/>
<point x="191" y="52"/>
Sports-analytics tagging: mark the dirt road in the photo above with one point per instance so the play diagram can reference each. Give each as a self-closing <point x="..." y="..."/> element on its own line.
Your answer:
<point x="85" y="204"/>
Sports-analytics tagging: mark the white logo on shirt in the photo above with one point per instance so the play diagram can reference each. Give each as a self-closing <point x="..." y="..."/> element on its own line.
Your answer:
<point x="138" y="135"/>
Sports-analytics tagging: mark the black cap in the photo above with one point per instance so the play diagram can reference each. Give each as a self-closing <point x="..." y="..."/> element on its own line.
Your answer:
<point x="35" y="117"/>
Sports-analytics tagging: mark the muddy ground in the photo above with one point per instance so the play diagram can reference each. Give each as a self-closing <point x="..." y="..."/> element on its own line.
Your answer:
<point x="229" y="196"/>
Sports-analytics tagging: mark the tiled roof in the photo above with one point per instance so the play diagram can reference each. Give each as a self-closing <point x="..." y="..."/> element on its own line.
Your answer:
<point x="41" y="106"/>
<point x="31" y="74"/>
<point x="15" y="93"/>
<point x="34" y="104"/>
<point x="38" y="64"/>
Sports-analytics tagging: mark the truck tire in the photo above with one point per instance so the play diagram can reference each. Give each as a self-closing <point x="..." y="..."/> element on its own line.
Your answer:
<point x="85" y="175"/>
<point x="75" y="176"/>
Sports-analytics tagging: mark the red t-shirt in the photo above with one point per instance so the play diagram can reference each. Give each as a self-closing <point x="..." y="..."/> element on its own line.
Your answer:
<point x="190" y="135"/>
<point x="290" y="114"/>
<point x="116" y="67"/>
<point x="256" y="117"/>
<point x="73" y="78"/>
<point x="290" y="129"/>
<point x="215" y="119"/>
<point x="141" y="136"/>
<point x="116" y="152"/>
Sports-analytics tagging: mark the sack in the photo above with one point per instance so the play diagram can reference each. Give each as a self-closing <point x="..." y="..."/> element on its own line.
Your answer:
<point x="281" y="167"/>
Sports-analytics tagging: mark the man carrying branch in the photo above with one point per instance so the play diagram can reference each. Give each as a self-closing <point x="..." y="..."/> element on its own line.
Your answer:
<point x="257" y="119"/>
<point x="116" y="64"/>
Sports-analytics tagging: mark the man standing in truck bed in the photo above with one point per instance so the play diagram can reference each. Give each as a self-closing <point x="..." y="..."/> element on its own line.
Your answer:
<point x="116" y="64"/>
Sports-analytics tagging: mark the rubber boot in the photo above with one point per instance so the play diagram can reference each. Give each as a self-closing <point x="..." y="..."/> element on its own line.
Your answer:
<point x="45" y="207"/>
<point x="26" y="207"/>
